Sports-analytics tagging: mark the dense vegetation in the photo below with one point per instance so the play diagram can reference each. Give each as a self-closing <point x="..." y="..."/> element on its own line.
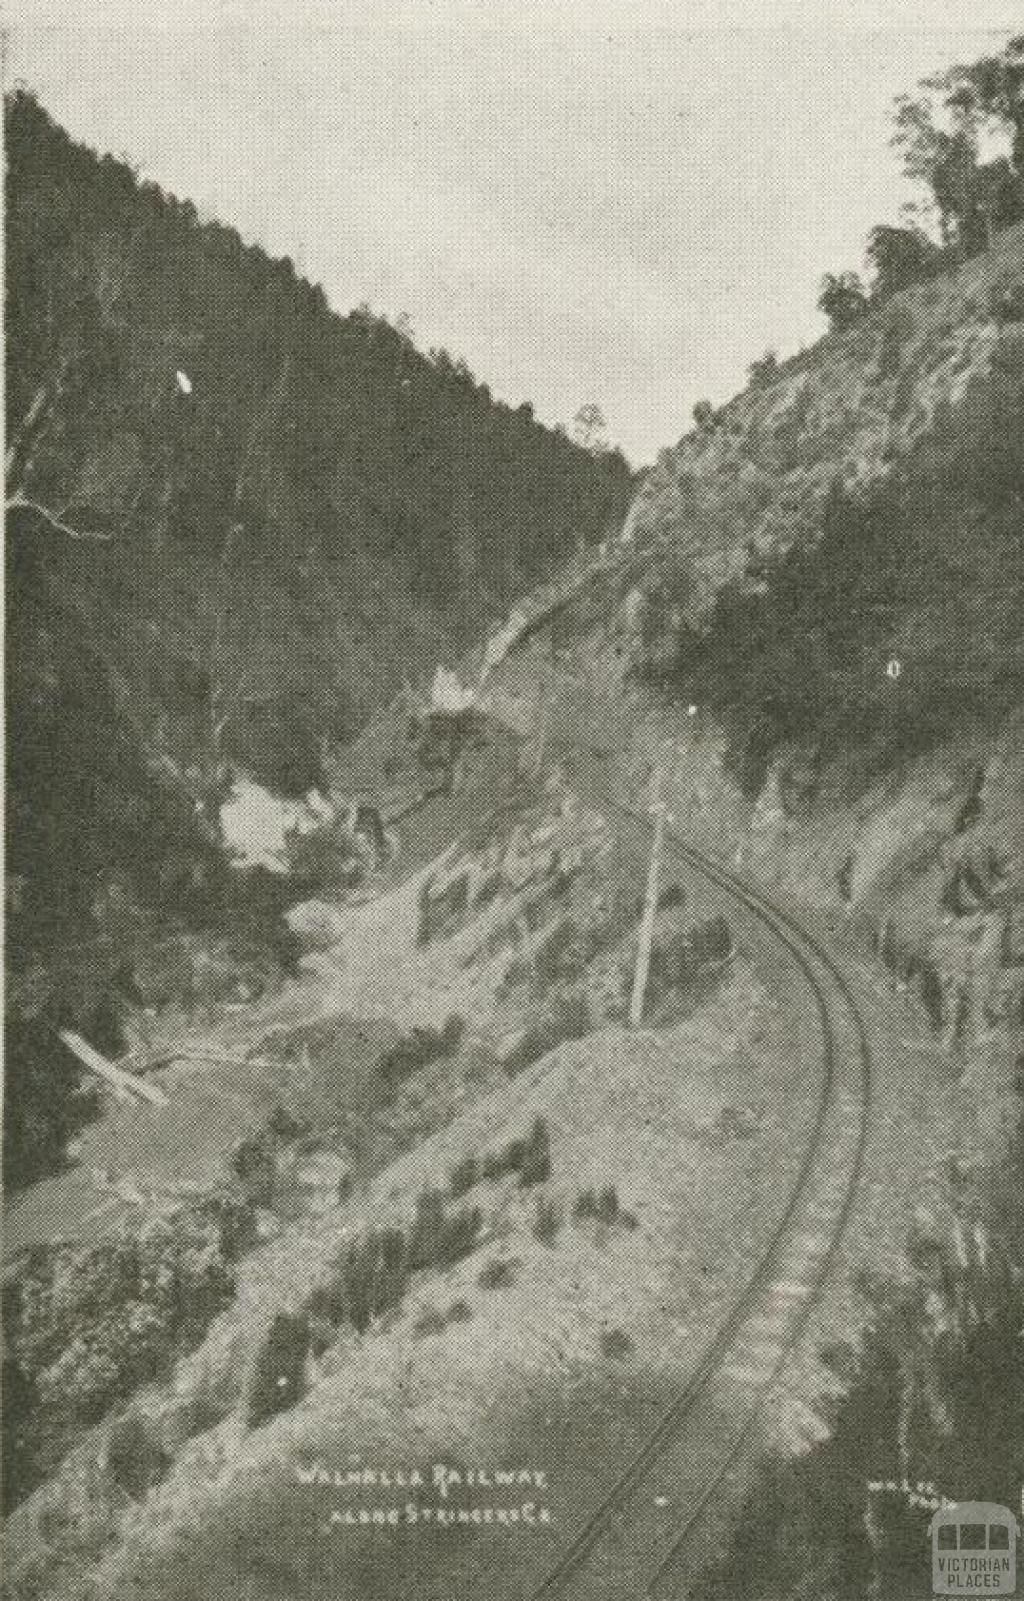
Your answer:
<point x="236" y="522"/>
<point x="935" y="1406"/>
<point x="316" y="433"/>
<point x="945" y="138"/>
<point x="924" y="568"/>
<point x="84" y="1326"/>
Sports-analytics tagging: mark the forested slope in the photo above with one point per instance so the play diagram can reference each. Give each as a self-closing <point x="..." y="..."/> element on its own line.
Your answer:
<point x="236" y="522"/>
<point x="857" y="506"/>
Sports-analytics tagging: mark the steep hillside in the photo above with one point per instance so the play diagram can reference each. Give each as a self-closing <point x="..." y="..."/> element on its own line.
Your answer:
<point x="237" y="522"/>
<point x="753" y="478"/>
<point x="823" y="649"/>
<point x="261" y="467"/>
<point x="539" y="1217"/>
<point x="433" y="1203"/>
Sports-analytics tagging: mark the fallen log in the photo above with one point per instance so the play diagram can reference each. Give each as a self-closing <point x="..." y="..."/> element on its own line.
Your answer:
<point x="125" y="1085"/>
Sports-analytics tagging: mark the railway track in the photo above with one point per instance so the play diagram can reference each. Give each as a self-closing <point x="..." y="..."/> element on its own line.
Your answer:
<point x="640" y="1543"/>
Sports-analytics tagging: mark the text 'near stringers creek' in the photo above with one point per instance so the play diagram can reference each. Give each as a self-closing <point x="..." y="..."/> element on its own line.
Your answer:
<point x="439" y="1495"/>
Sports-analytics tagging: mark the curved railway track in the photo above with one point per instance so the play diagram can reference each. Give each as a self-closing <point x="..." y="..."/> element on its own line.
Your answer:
<point x="628" y="1547"/>
<point x="704" y="1433"/>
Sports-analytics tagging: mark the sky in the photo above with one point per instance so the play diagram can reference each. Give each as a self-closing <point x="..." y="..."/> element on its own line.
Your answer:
<point x="619" y="201"/>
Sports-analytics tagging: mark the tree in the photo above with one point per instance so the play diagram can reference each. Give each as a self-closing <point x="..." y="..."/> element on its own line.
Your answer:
<point x="309" y="464"/>
<point x="589" y="425"/>
<point x="764" y="371"/>
<point x="993" y="87"/>
<point x="704" y="416"/>
<point x="941" y="135"/>
<point x="944" y="160"/>
<point x="279" y="1372"/>
<point x="71" y="513"/>
<point x="843" y="299"/>
<point x="900" y="257"/>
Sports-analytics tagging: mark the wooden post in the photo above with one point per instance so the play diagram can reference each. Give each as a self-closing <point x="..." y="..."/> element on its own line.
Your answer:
<point x="643" y="955"/>
<point x="544" y="717"/>
<point x="547" y="690"/>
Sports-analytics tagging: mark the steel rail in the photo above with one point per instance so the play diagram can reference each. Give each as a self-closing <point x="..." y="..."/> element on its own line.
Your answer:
<point x="790" y="933"/>
<point x="726" y="879"/>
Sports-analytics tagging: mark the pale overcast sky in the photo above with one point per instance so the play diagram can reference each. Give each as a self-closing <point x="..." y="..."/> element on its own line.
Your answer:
<point x="614" y="200"/>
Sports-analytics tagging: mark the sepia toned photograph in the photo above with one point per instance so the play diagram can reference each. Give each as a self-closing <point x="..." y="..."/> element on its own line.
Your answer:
<point x="513" y="1056"/>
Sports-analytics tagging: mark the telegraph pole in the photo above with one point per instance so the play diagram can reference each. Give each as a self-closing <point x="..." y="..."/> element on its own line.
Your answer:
<point x="547" y="689"/>
<point x="543" y="720"/>
<point x="659" y="811"/>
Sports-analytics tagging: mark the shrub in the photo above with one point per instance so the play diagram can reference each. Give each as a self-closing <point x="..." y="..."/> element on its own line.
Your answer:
<point x="373" y="1275"/>
<point x="529" y="1157"/>
<point x="21" y="1467"/>
<point x="322" y="1334"/>
<point x="376" y="1274"/>
<point x="547" y="1220"/>
<point x="279" y="1370"/>
<point x="424" y="909"/>
<point x="497" y="1163"/>
<point x="497" y="1275"/>
<point x="324" y="858"/>
<point x="603" y="1206"/>
<point x="842" y="299"/>
<point x="282" y="1126"/>
<point x="328" y="1302"/>
<point x="535" y="1165"/>
<point x="428" y="1227"/>
<point x="135" y="1458"/>
<point x="679" y="955"/>
<point x="442" y="738"/>
<point x="86" y="1326"/>
<point x="432" y="1322"/>
<point x="615" y="1343"/>
<point x="764" y="371"/>
<point x="453" y="1031"/>
<point x="488" y="889"/>
<point x="232" y="1219"/>
<point x="464" y="1176"/>
<point x="788" y="665"/>
<point x="900" y="257"/>
<point x="932" y="995"/>
<point x="435" y="1322"/>
<point x="567" y="1018"/>
<point x="421" y="1046"/>
<point x="459" y="1236"/>
<point x="586" y="1204"/>
<point x="255" y="1165"/>
<point x="711" y="941"/>
<point x="671" y="895"/>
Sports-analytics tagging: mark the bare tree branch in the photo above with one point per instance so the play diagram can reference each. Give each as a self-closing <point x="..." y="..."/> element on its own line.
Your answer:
<point x="54" y="520"/>
<point x="31" y="420"/>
